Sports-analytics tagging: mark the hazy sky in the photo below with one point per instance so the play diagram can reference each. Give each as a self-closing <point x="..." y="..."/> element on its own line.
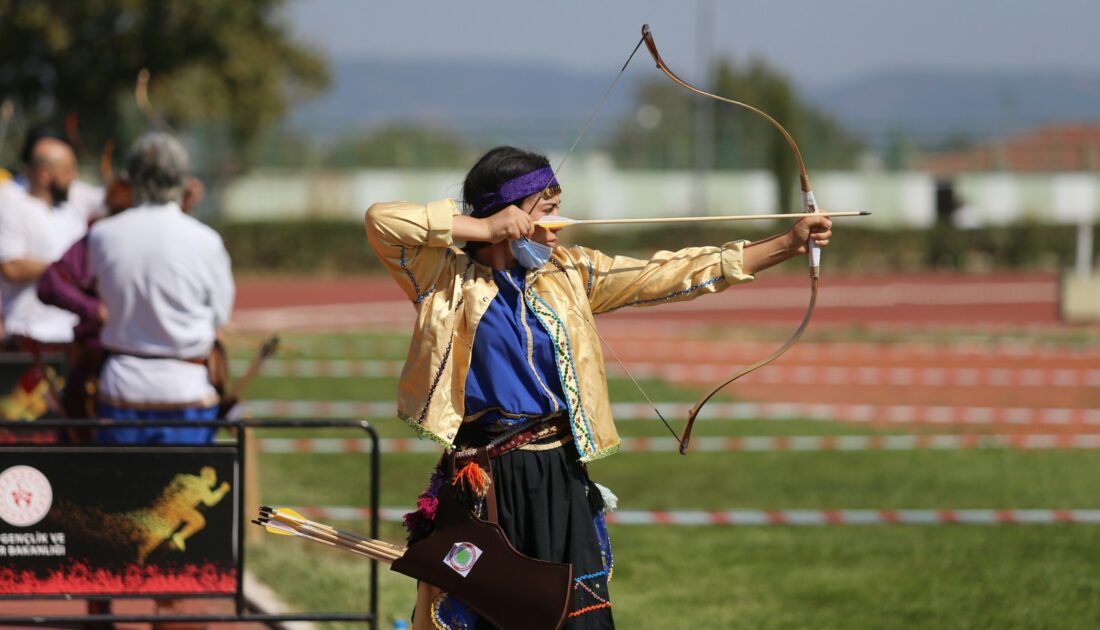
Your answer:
<point x="814" y="41"/>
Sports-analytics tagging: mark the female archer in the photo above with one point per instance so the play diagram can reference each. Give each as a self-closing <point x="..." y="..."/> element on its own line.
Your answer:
<point x="505" y="354"/>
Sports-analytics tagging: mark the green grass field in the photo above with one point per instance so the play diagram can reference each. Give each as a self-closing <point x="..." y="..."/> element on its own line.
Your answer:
<point x="878" y="576"/>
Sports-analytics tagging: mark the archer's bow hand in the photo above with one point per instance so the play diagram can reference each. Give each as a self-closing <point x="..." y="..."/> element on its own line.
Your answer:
<point x="820" y="229"/>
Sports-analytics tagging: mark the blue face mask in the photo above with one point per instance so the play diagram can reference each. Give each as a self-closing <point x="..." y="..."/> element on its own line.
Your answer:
<point x="530" y="254"/>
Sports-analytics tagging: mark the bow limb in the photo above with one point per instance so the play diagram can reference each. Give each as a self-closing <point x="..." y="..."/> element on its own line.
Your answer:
<point x="804" y="178"/>
<point x="685" y="438"/>
<point x="141" y="97"/>
<point x="809" y="204"/>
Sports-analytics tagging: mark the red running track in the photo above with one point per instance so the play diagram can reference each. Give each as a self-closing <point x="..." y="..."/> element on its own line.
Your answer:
<point x="934" y="298"/>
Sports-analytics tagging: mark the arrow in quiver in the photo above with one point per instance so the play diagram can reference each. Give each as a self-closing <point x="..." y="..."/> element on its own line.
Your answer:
<point x="464" y="556"/>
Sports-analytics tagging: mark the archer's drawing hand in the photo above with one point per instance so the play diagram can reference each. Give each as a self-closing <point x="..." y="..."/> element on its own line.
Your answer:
<point x="820" y="229"/>
<point x="509" y="224"/>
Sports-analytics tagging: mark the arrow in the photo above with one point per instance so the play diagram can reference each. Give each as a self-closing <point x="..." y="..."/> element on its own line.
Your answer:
<point x="287" y="522"/>
<point x="282" y="529"/>
<point x="557" y="222"/>
<point x="275" y="527"/>
<point x="294" y="519"/>
<point x="367" y="551"/>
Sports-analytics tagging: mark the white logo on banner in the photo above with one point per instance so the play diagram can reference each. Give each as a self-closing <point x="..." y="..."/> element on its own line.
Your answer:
<point x="25" y="496"/>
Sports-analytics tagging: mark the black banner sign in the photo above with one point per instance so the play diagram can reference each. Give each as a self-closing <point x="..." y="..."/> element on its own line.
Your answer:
<point x="117" y="521"/>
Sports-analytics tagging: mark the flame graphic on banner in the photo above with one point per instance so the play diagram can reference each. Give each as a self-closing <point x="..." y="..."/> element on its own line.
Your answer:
<point x="132" y="578"/>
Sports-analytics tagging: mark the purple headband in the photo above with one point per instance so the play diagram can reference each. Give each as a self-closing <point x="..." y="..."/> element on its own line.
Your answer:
<point x="513" y="190"/>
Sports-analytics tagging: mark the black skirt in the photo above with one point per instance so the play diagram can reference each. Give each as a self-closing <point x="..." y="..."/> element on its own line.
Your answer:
<point x="549" y="510"/>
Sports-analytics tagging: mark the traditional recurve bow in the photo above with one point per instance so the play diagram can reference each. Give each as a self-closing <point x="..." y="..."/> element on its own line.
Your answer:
<point x="810" y="206"/>
<point x="813" y="252"/>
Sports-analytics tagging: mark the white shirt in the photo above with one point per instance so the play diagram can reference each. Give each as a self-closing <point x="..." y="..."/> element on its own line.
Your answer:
<point x="165" y="279"/>
<point x="86" y="203"/>
<point x="31" y="229"/>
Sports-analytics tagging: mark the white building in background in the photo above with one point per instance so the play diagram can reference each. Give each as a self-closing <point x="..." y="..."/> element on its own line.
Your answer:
<point x="593" y="188"/>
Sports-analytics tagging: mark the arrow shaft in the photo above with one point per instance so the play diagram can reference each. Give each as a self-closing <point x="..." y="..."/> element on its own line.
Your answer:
<point x="379" y="549"/>
<point x="373" y="554"/>
<point x="549" y="221"/>
<point x="366" y="545"/>
<point x="383" y="551"/>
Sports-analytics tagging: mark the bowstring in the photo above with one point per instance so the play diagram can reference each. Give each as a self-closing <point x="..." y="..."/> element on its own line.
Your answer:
<point x="598" y="108"/>
<point x="637" y="385"/>
<point x="592" y="117"/>
<point x="584" y="129"/>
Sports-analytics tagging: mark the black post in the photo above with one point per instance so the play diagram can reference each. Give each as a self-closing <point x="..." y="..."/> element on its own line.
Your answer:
<point x="375" y="474"/>
<point x="240" y="519"/>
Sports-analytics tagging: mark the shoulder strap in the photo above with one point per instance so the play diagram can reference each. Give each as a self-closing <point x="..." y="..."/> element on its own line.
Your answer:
<point x="490" y="496"/>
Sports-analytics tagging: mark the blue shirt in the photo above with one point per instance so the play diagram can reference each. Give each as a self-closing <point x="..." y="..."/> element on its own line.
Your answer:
<point x="513" y="371"/>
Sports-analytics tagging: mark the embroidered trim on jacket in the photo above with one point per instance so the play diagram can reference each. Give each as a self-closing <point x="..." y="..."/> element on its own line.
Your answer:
<point x="670" y="296"/>
<point x="412" y="279"/>
<point x="567" y="373"/>
<point x="443" y="362"/>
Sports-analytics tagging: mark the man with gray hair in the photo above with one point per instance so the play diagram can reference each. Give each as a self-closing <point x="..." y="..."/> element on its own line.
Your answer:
<point x="166" y="283"/>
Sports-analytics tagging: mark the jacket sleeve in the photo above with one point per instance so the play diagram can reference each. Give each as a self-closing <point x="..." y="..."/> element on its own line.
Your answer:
<point x="412" y="241"/>
<point x="612" y="282"/>
<point x="67" y="283"/>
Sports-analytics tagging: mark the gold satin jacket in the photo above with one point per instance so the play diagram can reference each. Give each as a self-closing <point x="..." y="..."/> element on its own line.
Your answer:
<point x="451" y="292"/>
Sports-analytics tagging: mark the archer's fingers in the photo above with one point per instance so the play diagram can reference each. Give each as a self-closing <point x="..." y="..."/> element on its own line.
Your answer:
<point x="810" y="225"/>
<point x="508" y="224"/>
<point x="520" y="224"/>
<point x="525" y="224"/>
<point x="821" y="234"/>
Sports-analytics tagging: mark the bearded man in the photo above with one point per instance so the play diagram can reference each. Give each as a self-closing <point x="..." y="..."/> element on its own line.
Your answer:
<point x="42" y="213"/>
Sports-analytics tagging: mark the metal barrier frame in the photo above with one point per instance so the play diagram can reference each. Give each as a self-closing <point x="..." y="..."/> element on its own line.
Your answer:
<point x="242" y="605"/>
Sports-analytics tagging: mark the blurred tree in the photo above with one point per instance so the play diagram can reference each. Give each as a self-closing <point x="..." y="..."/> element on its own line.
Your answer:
<point x="900" y="149"/>
<point x="760" y="86"/>
<point x="402" y="145"/>
<point x="223" y="61"/>
<point x="659" y="136"/>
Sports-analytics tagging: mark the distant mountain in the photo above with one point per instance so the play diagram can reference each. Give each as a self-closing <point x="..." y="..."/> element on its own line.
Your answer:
<point x="934" y="106"/>
<point x="515" y="103"/>
<point x="546" y="107"/>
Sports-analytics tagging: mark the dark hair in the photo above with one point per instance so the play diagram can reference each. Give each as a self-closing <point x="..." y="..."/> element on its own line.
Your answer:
<point x="497" y="166"/>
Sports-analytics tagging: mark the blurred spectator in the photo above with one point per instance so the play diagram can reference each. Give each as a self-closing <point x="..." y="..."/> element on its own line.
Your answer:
<point x="41" y="215"/>
<point x="42" y="212"/>
<point x="68" y="284"/>
<point x="946" y="243"/>
<point x="82" y="199"/>
<point x="165" y="281"/>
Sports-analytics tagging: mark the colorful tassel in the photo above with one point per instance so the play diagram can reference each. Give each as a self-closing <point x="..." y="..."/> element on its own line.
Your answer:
<point x="427" y="506"/>
<point x="420" y="523"/>
<point x="473" y="479"/>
